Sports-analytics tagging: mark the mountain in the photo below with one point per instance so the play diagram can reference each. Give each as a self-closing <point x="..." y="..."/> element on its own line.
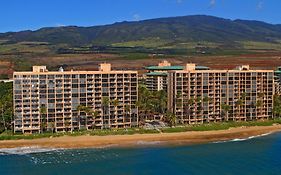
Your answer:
<point x="182" y="29"/>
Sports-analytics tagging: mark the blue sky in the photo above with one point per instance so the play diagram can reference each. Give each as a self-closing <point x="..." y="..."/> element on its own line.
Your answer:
<point x="16" y="15"/>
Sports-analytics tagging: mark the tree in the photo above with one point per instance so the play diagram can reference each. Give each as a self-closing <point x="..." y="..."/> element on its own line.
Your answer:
<point x="115" y="103"/>
<point x="105" y="108"/>
<point x="191" y="101"/>
<point x="3" y="117"/>
<point x="277" y="106"/>
<point x="127" y="111"/>
<point x="206" y="99"/>
<point x="171" y="118"/>
<point x="87" y="110"/>
<point x="259" y="103"/>
<point x="239" y="103"/>
<point x="162" y="100"/>
<point x="42" y="111"/>
<point x="226" y="108"/>
<point x="95" y="115"/>
<point x="6" y="105"/>
<point x="51" y="125"/>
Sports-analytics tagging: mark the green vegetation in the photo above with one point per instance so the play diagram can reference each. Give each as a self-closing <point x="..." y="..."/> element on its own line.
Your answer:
<point x="8" y="135"/>
<point x="153" y="33"/>
<point x="147" y="42"/>
<point x="24" y="47"/>
<point x="6" y="106"/>
<point x="221" y="126"/>
<point x="261" y="45"/>
<point x="277" y="106"/>
<point x="151" y="103"/>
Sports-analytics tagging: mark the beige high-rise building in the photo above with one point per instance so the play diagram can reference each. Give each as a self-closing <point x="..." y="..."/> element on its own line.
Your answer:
<point x="198" y="96"/>
<point x="50" y="99"/>
<point x="277" y="79"/>
<point x="156" y="76"/>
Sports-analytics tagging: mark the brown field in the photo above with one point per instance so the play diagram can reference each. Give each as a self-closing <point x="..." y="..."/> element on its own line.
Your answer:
<point x="6" y="67"/>
<point x="262" y="60"/>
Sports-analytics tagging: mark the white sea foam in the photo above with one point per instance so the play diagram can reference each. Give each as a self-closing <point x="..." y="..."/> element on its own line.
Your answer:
<point x="243" y="139"/>
<point x="148" y="142"/>
<point x="25" y="150"/>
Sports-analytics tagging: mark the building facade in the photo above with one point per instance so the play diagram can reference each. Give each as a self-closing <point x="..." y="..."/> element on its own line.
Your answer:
<point x="156" y="76"/>
<point x="277" y="76"/>
<point x="50" y="100"/>
<point x="198" y="96"/>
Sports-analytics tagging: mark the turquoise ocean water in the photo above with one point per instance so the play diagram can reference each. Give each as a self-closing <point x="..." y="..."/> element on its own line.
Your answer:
<point x="258" y="155"/>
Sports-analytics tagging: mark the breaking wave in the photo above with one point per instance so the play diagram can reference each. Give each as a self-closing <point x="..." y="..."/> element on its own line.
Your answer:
<point x="243" y="139"/>
<point x="148" y="142"/>
<point x="25" y="150"/>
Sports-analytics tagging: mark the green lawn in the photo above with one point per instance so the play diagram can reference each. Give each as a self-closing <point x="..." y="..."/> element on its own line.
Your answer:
<point x="220" y="126"/>
<point x="8" y="135"/>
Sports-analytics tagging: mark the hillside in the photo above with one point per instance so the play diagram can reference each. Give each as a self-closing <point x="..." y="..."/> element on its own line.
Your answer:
<point x="162" y="31"/>
<point x="205" y="40"/>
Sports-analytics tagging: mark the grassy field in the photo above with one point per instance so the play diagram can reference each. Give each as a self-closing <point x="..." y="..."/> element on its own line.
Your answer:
<point x="221" y="126"/>
<point x="148" y="42"/>
<point x="261" y="45"/>
<point x="137" y="54"/>
<point x="204" y="127"/>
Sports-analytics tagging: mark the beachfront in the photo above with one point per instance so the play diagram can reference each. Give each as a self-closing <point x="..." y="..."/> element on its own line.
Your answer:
<point x="191" y="137"/>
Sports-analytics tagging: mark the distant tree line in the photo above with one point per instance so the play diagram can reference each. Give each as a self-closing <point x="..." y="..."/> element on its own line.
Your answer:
<point x="6" y="106"/>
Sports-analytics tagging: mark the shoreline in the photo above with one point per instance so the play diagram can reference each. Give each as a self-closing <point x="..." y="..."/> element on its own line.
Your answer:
<point x="139" y="140"/>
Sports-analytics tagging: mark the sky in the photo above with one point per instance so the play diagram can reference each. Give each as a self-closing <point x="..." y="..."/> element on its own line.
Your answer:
<point x="17" y="15"/>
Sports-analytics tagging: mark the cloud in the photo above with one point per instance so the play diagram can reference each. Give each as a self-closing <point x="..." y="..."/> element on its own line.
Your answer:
<point x="136" y="17"/>
<point x="179" y="1"/>
<point x="212" y="3"/>
<point x="260" y="5"/>
<point x="60" y="25"/>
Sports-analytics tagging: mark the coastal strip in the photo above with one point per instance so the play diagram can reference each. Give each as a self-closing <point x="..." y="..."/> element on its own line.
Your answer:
<point x="190" y="137"/>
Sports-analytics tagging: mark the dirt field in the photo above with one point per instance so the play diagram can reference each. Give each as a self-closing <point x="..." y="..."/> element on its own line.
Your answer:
<point x="263" y="60"/>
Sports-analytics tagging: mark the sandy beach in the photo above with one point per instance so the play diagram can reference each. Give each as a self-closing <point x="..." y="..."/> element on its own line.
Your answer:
<point x="192" y="137"/>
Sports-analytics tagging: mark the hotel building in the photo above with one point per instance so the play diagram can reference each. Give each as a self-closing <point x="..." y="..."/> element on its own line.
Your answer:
<point x="50" y="99"/>
<point x="198" y="96"/>
<point x="156" y="76"/>
<point x="277" y="79"/>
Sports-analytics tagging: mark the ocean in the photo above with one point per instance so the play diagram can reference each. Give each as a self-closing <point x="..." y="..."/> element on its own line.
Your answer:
<point x="255" y="155"/>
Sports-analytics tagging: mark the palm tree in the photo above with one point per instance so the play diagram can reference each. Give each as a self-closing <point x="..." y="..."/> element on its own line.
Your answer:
<point x="127" y="111"/>
<point x="162" y="101"/>
<point x="140" y="107"/>
<point x="80" y="108"/>
<point x="3" y="117"/>
<point x="51" y="125"/>
<point x="226" y="108"/>
<point x="191" y="101"/>
<point x="239" y="103"/>
<point x="95" y="115"/>
<point x="206" y="99"/>
<point x="42" y="111"/>
<point x="87" y="110"/>
<point x="115" y="103"/>
<point x="105" y="108"/>
<point x="276" y="106"/>
<point x="252" y="105"/>
<point x="171" y="118"/>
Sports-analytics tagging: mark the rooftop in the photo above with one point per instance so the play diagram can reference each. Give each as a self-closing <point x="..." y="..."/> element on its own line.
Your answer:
<point x="174" y="68"/>
<point x="157" y="73"/>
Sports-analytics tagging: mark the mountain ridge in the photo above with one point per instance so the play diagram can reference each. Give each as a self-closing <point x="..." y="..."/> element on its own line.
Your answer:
<point x="194" y="28"/>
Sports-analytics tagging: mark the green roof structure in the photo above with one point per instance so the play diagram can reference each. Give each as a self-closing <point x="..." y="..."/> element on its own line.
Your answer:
<point x="157" y="73"/>
<point x="174" y="68"/>
<point x="165" y="67"/>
